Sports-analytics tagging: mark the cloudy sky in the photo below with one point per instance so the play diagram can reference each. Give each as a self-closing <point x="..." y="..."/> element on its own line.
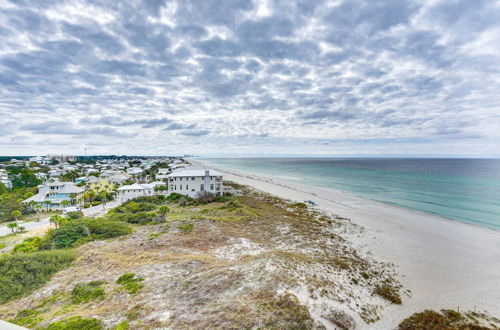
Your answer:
<point x="243" y="77"/>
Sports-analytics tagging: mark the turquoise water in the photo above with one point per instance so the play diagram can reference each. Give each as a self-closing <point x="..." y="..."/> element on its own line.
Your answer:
<point x="466" y="190"/>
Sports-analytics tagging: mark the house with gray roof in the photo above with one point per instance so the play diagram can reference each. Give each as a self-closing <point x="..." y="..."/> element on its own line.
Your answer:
<point x="56" y="192"/>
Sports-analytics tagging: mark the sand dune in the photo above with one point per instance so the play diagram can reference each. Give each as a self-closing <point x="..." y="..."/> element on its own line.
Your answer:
<point x="445" y="263"/>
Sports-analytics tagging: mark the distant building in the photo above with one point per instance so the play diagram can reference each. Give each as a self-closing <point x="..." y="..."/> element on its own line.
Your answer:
<point x="192" y="181"/>
<point x="4" y="178"/>
<point x="163" y="174"/>
<point x="63" y="158"/>
<point x="55" y="193"/>
<point x="134" y="170"/>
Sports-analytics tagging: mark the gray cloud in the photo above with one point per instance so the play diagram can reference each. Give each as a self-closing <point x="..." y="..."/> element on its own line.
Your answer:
<point x="234" y="72"/>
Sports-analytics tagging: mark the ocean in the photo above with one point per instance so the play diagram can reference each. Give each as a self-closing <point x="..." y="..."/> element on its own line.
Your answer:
<point x="466" y="190"/>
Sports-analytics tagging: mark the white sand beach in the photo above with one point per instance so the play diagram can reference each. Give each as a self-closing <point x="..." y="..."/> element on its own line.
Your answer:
<point x="445" y="263"/>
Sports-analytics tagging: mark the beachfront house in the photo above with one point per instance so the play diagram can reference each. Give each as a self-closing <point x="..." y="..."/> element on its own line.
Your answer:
<point x="192" y="181"/>
<point x="52" y="194"/>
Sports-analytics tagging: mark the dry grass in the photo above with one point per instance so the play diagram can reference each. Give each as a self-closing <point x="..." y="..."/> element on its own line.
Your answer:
<point x="449" y="320"/>
<point x="251" y="262"/>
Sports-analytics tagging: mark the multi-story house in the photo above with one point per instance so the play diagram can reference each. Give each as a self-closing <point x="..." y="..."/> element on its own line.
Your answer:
<point x="193" y="181"/>
<point x="52" y="194"/>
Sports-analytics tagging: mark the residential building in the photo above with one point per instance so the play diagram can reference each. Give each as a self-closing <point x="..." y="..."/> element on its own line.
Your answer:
<point x="100" y="183"/>
<point x="134" y="170"/>
<point x="163" y="174"/>
<point x="134" y="190"/>
<point x="56" y="192"/>
<point x="4" y="178"/>
<point x="193" y="181"/>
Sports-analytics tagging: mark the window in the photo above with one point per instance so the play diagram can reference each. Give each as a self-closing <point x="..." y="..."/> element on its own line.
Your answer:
<point x="192" y="179"/>
<point x="175" y="187"/>
<point x="202" y="187"/>
<point x="212" y="186"/>
<point x="187" y="188"/>
<point x="180" y="187"/>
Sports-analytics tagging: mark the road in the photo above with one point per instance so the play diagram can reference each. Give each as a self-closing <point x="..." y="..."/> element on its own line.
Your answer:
<point x="93" y="211"/>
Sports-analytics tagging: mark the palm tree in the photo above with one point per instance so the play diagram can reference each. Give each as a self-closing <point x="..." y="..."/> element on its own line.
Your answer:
<point x="57" y="220"/>
<point x="32" y="205"/>
<point x="48" y="204"/>
<point x="12" y="226"/>
<point x="72" y="196"/>
<point x="91" y="195"/>
<point x="64" y="203"/>
<point x="16" y="214"/>
<point x="38" y="209"/>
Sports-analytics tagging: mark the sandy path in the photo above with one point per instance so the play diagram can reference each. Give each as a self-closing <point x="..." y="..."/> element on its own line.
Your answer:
<point x="444" y="263"/>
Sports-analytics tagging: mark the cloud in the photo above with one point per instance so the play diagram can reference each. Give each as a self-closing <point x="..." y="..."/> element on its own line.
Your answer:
<point x="195" y="133"/>
<point x="235" y="73"/>
<point x="63" y="128"/>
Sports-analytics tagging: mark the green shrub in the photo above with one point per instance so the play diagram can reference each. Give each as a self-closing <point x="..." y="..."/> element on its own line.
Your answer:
<point x="185" y="228"/>
<point x="123" y="325"/>
<point x="86" y="205"/>
<point x="130" y="282"/>
<point x="31" y="244"/>
<point x="163" y="210"/>
<point x="132" y="206"/>
<point x="27" y="318"/>
<point x="140" y="218"/>
<point x="75" y="215"/>
<point x="221" y="199"/>
<point x="66" y="235"/>
<point x="20" y="273"/>
<point x="174" y="197"/>
<point x="101" y="228"/>
<point x="95" y="203"/>
<point x="83" y="230"/>
<point x="157" y="199"/>
<point x="76" y="323"/>
<point x="86" y="292"/>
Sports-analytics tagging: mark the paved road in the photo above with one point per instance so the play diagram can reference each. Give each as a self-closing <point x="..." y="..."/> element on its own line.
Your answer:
<point x="93" y="211"/>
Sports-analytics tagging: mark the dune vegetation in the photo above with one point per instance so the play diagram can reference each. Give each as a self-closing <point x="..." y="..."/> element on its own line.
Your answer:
<point x="243" y="262"/>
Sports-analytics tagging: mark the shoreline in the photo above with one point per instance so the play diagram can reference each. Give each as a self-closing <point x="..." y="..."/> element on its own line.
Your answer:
<point x="443" y="262"/>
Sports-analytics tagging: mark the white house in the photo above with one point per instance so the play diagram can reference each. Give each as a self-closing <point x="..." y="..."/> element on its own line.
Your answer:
<point x="162" y="174"/>
<point x="118" y="178"/>
<point x="134" y="190"/>
<point x="192" y="181"/>
<point x="55" y="192"/>
<point x="134" y="170"/>
<point x="4" y="178"/>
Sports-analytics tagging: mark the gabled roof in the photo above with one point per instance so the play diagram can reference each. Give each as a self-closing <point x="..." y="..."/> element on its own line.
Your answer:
<point x="134" y="186"/>
<point x="70" y="188"/>
<point x="92" y="179"/>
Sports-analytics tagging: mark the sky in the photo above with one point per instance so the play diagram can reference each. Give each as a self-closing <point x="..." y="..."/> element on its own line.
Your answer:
<point x="250" y="78"/>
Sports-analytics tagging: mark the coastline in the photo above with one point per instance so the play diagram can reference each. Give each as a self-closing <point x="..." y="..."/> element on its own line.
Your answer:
<point x="443" y="262"/>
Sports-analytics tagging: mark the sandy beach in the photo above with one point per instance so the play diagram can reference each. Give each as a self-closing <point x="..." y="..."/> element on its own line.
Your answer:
<point x="444" y="263"/>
